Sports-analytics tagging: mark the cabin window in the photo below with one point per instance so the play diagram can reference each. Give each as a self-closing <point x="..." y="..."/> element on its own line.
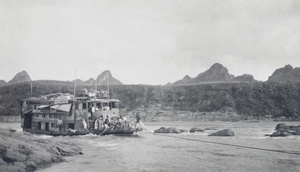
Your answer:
<point x="47" y="126"/>
<point x="39" y="125"/>
<point x="71" y="126"/>
<point x="50" y="116"/>
<point x="53" y="125"/>
<point x="33" y="125"/>
<point x="115" y="105"/>
<point x="76" y="106"/>
<point x="37" y="115"/>
<point x="55" y="116"/>
<point x="34" y="107"/>
<point x="84" y="106"/>
<point x="44" y="115"/>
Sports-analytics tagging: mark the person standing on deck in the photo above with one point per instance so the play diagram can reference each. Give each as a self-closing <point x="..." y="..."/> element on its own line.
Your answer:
<point x="138" y="121"/>
<point x="84" y="124"/>
<point x="101" y="124"/>
<point x="93" y="109"/>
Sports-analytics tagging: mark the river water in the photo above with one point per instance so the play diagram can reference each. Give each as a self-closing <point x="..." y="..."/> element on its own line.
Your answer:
<point x="248" y="150"/>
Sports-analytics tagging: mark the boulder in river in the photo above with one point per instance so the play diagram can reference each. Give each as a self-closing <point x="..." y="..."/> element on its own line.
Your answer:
<point x="183" y="130"/>
<point x="168" y="130"/>
<point x="226" y="132"/>
<point x="283" y="130"/>
<point x="282" y="133"/>
<point x="195" y="129"/>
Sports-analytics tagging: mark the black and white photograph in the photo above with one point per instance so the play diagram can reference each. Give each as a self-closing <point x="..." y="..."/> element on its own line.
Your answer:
<point x="149" y="85"/>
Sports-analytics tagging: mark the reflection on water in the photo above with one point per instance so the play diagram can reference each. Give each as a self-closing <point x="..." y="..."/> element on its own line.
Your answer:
<point x="153" y="152"/>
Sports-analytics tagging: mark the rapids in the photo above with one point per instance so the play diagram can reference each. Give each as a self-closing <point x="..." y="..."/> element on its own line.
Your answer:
<point x="185" y="152"/>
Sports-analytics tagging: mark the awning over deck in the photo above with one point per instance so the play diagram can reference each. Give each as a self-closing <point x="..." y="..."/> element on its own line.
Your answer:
<point x="54" y="107"/>
<point x="62" y="107"/>
<point x="104" y="100"/>
<point x="33" y="100"/>
<point x="43" y="106"/>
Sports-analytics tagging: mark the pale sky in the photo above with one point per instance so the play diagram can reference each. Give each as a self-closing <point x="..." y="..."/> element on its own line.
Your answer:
<point x="147" y="42"/>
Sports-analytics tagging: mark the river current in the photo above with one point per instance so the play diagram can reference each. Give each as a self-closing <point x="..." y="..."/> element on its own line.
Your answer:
<point x="248" y="150"/>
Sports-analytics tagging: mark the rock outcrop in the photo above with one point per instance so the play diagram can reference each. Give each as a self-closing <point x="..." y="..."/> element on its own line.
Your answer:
<point x="78" y="82"/>
<point x="23" y="152"/>
<point x="168" y="130"/>
<point x="283" y="130"/>
<point x="286" y="74"/>
<point x="185" y="80"/>
<point x="107" y="76"/>
<point x="226" y="132"/>
<point x="216" y="73"/>
<point x="3" y="83"/>
<point x="195" y="129"/>
<point x="20" y="77"/>
<point x="244" y="78"/>
<point x="90" y="82"/>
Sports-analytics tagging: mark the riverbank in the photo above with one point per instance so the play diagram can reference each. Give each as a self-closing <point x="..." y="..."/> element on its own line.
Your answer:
<point x="25" y="152"/>
<point x="11" y="119"/>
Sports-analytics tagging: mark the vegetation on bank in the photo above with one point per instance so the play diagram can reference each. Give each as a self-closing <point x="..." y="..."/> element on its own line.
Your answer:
<point x="210" y="101"/>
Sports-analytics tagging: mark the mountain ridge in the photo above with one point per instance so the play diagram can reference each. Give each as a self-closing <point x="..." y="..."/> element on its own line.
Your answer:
<point x="20" y="77"/>
<point x="285" y="74"/>
<point x="216" y="73"/>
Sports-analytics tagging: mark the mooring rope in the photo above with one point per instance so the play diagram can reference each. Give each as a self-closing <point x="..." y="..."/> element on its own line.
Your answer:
<point x="233" y="145"/>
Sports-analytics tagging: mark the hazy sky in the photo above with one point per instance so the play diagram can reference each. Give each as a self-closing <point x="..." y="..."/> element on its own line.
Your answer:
<point x="147" y="42"/>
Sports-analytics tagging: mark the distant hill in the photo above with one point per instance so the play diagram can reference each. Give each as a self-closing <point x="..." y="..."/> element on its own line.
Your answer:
<point x="101" y="80"/>
<point x="216" y="73"/>
<point x="107" y="76"/>
<point x="20" y="77"/>
<point x="91" y="81"/>
<point x="286" y="74"/>
<point x="186" y="79"/>
<point x="244" y="78"/>
<point x="3" y="83"/>
<point x="78" y="82"/>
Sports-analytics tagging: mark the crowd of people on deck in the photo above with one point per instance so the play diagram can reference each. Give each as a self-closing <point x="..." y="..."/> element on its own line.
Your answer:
<point x="113" y="123"/>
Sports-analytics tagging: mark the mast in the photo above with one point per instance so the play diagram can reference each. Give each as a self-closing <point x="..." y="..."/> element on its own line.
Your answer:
<point x="74" y="100"/>
<point x="107" y="84"/>
<point x="96" y="83"/>
<point x="31" y="89"/>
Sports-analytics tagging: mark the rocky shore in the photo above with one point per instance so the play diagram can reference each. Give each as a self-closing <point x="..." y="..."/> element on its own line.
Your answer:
<point x="283" y="130"/>
<point x="25" y="152"/>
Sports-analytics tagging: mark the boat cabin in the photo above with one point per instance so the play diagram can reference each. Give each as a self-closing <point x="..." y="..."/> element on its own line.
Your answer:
<point x="56" y="116"/>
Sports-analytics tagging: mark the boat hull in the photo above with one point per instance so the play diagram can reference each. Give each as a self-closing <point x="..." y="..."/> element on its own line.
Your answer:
<point x="68" y="133"/>
<point x="78" y="133"/>
<point x="114" y="132"/>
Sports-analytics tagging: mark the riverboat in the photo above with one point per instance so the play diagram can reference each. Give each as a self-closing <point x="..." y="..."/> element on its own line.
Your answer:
<point x="63" y="114"/>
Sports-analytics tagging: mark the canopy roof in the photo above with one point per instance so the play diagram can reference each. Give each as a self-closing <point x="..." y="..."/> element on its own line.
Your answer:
<point x="43" y="106"/>
<point x="104" y="100"/>
<point x="33" y="100"/>
<point x="62" y="107"/>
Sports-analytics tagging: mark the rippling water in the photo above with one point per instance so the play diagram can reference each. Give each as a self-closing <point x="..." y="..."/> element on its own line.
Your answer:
<point x="186" y="152"/>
